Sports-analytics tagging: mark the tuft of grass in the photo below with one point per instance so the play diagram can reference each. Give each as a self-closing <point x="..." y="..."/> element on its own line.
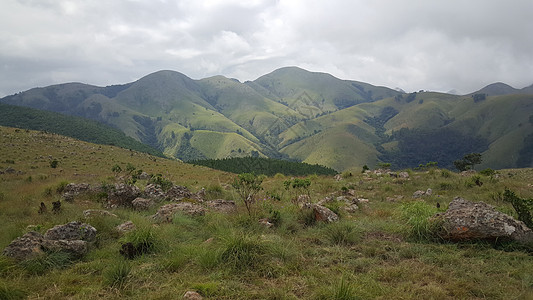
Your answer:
<point x="344" y="291"/>
<point x="243" y="251"/>
<point x="342" y="233"/>
<point x="118" y="274"/>
<point x="417" y="216"/>
<point x="44" y="263"/>
<point x="143" y="239"/>
<point x="8" y="292"/>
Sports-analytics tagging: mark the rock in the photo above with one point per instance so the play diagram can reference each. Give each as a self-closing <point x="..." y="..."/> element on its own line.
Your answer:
<point x="142" y="204"/>
<point x="76" y="247"/>
<point x="90" y="213"/>
<point x="154" y="191"/>
<point x="303" y="199"/>
<point x="221" y="205"/>
<point x="264" y="222"/>
<point x="337" y="177"/>
<point x="191" y="295"/>
<point x="144" y="176"/>
<point x="10" y="170"/>
<point x="72" y="231"/>
<point x="25" y="247"/>
<point x="419" y="194"/>
<point x="123" y="195"/>
<point x="72" y="190"/>
<point x="178" y="193"/>
<point x="167" y="211"/>
<point x="465" y="220"/>
<point x="429" y="192"/>
<point x="323" y="213"/>
<point x="125" y="227"/>
<point x="404" y="175"/>
<point x="351" y="208"/>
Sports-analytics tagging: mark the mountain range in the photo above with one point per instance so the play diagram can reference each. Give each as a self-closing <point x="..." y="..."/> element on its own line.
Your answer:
<point x="313" y="117"/>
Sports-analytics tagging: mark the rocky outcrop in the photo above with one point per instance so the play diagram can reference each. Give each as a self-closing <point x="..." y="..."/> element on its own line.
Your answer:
<point x="142" y="204"/>
<point x="72" y="238"/>
<point x="178" y="193"/>
<point x="421" y="193"/>
<point x="72" y="231"/>
<point x="91" y="213"/>
<point x="465" y="220"/>
<point x="125" y="227"/>
<point x="154" y="191"/>
<point x="122" y="195"/>
<point x="322" y="213"/>
<point x="221" y="205"/>
<point x="167" y="211"/>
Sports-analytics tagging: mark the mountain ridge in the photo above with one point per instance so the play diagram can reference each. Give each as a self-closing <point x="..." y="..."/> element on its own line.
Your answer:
<point x="294" y="113"/>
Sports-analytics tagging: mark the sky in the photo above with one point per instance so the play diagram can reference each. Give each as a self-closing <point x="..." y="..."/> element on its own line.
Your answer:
<point x="437" y="45"/>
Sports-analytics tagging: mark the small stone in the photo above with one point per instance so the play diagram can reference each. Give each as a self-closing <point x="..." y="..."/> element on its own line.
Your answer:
<point x="191" y="295"/>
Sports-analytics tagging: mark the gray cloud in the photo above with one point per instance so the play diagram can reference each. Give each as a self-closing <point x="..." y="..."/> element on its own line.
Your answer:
<point x="432" y="45"/>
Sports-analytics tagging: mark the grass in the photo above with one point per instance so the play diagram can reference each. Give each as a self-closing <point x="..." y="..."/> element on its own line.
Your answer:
<point x="385" y="250"/>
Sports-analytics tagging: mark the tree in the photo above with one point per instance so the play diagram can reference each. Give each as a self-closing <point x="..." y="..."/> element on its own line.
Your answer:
<point x="247" y="186"/>
<point x="468" y="161"/>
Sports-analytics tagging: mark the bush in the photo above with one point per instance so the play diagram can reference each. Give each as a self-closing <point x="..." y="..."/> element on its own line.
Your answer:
<point x="54" y="163"/>
<point x="342" y="233"/>
<point x="523" y="207"/>
<point x="487" y="172"/>
<point x="417" y="217"/>
<point x="117" y="275"/>
<point x="243" y="252"/>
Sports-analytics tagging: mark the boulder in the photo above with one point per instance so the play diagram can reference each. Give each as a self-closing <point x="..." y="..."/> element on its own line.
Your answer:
<point x="144" y="176"/>
<point x="142" y="204"/>
<point x="167" y="211"/>
<point x="178" y="193"/>
<point x="221" y="205"/>
<point x="71" y="231"/>
<point x="72" y="190"/>
<point x="419" y="194"/>
<point x="351" y="208"/>
<point x="90" y="213"/>
<point x="125" y="227"/>
<point x="122" y="195"/>
<point x="76" y="247"/>
<point x="25" y="247"/>
<point x="465" y="220"/>
<point x="154" y="191"/>
<point x="404" y="175"/>
<point x="322" y="213"/>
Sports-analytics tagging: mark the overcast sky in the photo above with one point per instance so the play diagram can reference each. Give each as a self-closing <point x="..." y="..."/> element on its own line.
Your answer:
<point x="435" y="45"/>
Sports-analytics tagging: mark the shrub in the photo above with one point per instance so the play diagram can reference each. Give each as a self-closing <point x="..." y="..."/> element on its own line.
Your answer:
<point x="247" y="186"/>
<point x="243" y="252"/>
<point x="54" y="163"/>
<point x="163" y="182"/>
<point x="342" y="233"/>
<point x="523" y="207"/>
<point x="417" y="217"/>
<point x="117" y="275"/>
<point x="487" y="172"/>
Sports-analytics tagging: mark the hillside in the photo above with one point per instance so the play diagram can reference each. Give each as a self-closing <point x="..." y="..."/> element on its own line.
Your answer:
<point x="295" y="114"/>
<point x="382" y="246"/>
<point x="76" y="127"/>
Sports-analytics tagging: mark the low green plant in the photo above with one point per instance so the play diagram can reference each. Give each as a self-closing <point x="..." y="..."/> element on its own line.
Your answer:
<point x="487" y="172"/>
<point x="60" y="187"/>
<point x="306" y="216"/>
<point x="522" y="206"/>
<point x="161" y="181"/>
<point x="243" y="251"/>
<point x="247" y="186"/>
<point x="54" y="163"/>
<point x="417" y="216"/>
<point x="342" y="233"/>
<point x="8" y="292"/>
<point x="344" y="291"/>
<point x="117" y="274"/>
<point x="46" y="262"/>
<point x="143" y="239"/>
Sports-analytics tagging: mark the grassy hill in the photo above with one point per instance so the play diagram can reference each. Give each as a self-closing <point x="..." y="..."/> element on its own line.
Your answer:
<point x="295" y="114"/>
<point x="379" y="251"/>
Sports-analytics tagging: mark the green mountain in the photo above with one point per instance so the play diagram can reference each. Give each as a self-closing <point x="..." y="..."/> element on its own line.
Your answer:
<point x="312" y="117"/>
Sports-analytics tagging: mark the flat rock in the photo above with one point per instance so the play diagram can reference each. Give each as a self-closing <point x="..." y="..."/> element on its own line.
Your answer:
<point x="167" y="211"/>
<point x="72" y="231"/>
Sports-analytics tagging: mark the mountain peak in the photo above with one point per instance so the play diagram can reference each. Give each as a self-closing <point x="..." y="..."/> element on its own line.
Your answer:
<point x="496" y="89"/>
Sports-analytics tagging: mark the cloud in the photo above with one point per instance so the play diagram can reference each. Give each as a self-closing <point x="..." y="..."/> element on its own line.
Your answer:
<point x="432" y="45"/>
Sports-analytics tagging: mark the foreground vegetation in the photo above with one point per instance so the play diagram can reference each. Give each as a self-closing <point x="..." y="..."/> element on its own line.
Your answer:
<point x="383" y="250"/>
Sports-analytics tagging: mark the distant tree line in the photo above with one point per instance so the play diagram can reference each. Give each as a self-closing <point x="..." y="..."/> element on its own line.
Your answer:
<point x="265" y="166"/>
<point x="76" y="127"/>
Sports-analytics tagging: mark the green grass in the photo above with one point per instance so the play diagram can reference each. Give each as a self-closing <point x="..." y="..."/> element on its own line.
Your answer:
<point x="384" y="250"/>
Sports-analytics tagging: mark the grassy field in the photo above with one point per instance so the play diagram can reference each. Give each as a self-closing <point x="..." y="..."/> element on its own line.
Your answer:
<point x="380" y="251"/>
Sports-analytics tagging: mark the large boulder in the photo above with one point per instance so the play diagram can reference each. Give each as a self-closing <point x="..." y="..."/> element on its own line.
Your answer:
<point x="166" y="212"/>
<point x="142" y="204"/>
<point x="25" y="247"/>
<point x="72" y="231"/>
<point x="76" y="247"/>
<point x="122" y="195"/>
<point x="221" y="205"/>
<point x="154" y="191"/>
<point x="322" y="213"/>
<point x="178" y="193"/>
<point x="465" y="220"/>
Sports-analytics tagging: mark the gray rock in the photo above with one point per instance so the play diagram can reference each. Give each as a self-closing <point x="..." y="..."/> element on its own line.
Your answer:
<point x="322" y="213"/>
<point x="191" y="295"/>
<point x="125" y="227"/>
<point x="25" y="247"/>
<point x="142" y="204"/>
<point x="167" y="211"/>
<point x="76" y="247"/>
<point x="221" y="205"/>
<point x="71" y="231"/>
<point x="154" y="191"/>
<point x="122" y="195"/>
<point x="403" y="175"/>
<point x="178" y="193"/>
<point x="90" y="213"/>
<point x="419" y="194"/>
<point x="144" y="176"/>
<point x="465" y="220"/>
